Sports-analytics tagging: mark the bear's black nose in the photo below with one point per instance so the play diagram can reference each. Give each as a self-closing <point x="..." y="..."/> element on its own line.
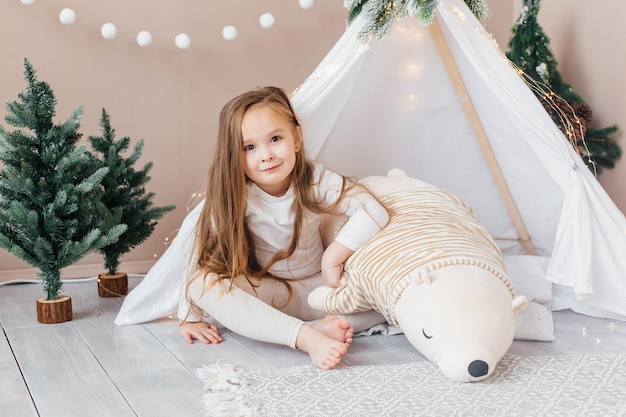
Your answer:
<point x="478" y="368"/>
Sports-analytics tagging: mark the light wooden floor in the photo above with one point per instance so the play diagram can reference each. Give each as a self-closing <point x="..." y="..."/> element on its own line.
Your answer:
<point x="91" y="367"/>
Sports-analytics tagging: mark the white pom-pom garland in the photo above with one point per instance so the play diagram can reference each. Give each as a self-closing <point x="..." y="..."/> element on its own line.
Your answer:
<point x="182" y="41"/>
<point x="306" y="4"/>
<point x="67" y="16"/>
<point x="229" y="33"/>
<point x="266" y="20"/>
<point x="144" y="38"/>
<point x="108" y="31"/>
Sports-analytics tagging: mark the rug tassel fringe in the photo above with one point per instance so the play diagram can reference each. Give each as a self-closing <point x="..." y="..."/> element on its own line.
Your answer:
<point x="228" y="393"/>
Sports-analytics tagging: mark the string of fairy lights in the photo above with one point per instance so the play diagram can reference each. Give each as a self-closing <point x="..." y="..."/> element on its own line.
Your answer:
<point x="108" y="30"/>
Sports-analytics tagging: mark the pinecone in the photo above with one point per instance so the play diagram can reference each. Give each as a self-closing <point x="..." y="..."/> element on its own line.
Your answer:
<point x="583" y="111"/>
<point x="564" y="116"/>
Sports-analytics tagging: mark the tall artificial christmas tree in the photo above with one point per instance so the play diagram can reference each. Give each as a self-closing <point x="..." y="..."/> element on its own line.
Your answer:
<point x="127" y="201"/>
<point x="50" y="212"/>
<point x="530" y="51"/>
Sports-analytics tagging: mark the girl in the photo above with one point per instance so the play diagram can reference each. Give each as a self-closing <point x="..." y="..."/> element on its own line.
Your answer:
<point x="258" y="249"/>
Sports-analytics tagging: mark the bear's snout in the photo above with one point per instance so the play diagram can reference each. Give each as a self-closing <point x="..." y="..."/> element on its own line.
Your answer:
<point x="478" y="368"/>
<point x="467" y="362"/>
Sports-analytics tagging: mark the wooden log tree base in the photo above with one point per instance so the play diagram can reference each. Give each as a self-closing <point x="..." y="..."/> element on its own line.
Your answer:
<point x="115" y="285"/>
<point x="54" y="311"/>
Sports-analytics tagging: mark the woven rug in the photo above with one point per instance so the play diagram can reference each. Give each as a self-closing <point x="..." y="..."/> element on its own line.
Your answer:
<point x="530" y="386"/>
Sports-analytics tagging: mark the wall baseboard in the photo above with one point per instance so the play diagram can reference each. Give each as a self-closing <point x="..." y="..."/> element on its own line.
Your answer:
<point x="76" y="271"/>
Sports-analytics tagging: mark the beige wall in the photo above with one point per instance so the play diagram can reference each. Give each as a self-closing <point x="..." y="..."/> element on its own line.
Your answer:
<point x="171" y="97"/>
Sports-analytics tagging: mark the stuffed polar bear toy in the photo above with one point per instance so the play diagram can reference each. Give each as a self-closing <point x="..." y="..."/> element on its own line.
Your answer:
<point x="435" y="272"/>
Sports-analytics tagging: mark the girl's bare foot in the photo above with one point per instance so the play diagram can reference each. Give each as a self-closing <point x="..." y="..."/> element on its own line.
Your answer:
<point x="335" y="328"/>
<point x="325" y="352"/>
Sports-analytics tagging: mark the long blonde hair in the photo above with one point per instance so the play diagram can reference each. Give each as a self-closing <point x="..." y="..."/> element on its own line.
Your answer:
<point x="224" y="245"/>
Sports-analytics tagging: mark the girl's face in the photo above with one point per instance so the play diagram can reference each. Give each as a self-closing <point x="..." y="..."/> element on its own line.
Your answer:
<point x="269" y="149"/>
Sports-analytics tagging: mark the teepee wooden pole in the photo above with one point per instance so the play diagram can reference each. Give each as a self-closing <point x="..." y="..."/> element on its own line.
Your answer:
<point x="483" y="140"/>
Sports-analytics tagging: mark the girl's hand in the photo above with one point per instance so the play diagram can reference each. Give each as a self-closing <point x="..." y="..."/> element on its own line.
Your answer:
<point x="332" y="263"/>
<point x="201" y="331"/>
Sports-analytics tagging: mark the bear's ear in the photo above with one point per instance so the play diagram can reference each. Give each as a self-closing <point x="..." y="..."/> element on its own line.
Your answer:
<point x="396" y="172"/>
<point x="519" y="303"/>
<point x="420" y="277"/>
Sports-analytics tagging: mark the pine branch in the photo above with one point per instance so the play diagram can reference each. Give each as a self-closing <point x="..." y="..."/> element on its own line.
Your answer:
<point x="380" y="15"/>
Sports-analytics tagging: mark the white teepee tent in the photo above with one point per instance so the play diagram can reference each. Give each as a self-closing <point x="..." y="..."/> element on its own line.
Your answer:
<point x="444" y="104"/>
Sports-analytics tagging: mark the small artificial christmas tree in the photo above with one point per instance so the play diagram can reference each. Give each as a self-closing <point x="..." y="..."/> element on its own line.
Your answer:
<point x="530" y="51"/>
<point x="50" y="211"/>
<point x="126" y="200"/>
<point x="381" y="14"/>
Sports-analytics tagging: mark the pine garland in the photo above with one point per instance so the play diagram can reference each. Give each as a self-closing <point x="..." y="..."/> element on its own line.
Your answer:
<point x="124" y="194"/>
<point x="381" y="14"/>
<point x="50" y="211"/>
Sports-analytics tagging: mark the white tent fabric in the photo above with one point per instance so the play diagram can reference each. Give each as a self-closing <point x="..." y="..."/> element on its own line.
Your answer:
<point x="389" y="103"/>
<point x="158" y="293"/>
